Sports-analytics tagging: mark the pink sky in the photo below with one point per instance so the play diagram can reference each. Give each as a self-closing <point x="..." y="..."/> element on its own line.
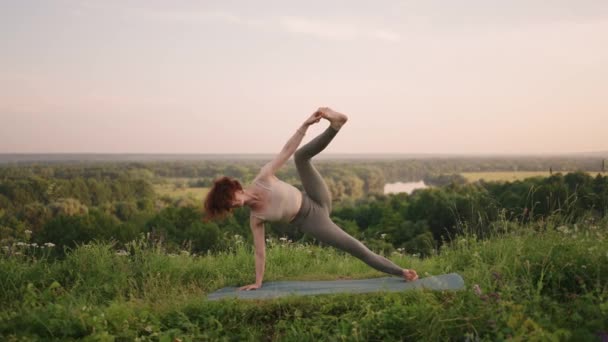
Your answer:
<point x="231" y="77"/>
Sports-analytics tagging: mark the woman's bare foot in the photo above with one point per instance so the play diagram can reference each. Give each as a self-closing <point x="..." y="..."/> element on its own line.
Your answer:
<point x="336" y="119"/>
<point x="410" y="275"/>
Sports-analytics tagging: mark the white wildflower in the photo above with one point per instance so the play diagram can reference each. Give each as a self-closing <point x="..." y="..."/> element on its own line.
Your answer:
<point x="28" y="232"/>
<point x="122" y="252"/>
<point x="185" y="253"/>
<point x="283" y="239"/>
<point x="49" y="244"/>
<point x="477" y="289"/>
<point x="20" y="244"/>
<point x="383" y="235"/>
<point x="35" y="245"/>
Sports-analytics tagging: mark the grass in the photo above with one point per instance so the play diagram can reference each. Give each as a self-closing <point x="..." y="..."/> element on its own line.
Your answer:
<point x="532" y="283"/>
<point x="509" y="176"/>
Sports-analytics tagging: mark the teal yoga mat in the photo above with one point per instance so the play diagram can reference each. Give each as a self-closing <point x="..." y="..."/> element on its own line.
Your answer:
<point x="275" y="289"/>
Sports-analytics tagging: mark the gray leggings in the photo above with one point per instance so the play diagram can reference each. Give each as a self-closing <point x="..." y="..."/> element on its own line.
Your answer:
<point x="313" y="216"/>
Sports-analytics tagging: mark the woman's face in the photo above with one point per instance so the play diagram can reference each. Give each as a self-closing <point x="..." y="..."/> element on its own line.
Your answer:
<point x="239" y="199"/>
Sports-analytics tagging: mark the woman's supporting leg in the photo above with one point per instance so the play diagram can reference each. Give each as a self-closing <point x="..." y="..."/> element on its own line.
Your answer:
<point x="325" y="230"/>
<point x="313" y="183"/>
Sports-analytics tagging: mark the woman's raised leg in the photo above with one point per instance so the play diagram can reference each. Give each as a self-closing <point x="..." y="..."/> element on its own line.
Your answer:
<point x="312" y="181"/>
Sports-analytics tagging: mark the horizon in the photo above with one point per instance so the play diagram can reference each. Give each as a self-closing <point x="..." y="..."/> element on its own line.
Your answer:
<point x="231" y="77"/>
<point x="42" y="157"/>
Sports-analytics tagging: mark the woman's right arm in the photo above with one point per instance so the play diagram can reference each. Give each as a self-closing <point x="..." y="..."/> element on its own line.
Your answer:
<point x="257" y="229"/>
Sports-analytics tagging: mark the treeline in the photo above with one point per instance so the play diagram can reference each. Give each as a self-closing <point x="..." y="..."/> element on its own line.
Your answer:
<point x="423" y="220"/>
<point x="347" y="178"/>
<point x="121" y="205"/>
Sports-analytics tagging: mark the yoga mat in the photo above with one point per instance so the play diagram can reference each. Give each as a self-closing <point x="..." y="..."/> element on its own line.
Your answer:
<point x="275" y="289"/>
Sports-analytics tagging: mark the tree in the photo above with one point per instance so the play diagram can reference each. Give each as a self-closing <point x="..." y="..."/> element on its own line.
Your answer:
<point x="202" y="236"/>
<point x="68" y="207"/>
<point x="125" y="210"/>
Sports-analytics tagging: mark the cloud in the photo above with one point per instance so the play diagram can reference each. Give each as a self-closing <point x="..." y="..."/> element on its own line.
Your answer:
<point x="340" y="29"/>
<point x="319" y="29"/>
<point x="185" y="16"/>
<point x="335" y="30"/>
<point x="157" y="14"/>
<point x="385" y="35"/>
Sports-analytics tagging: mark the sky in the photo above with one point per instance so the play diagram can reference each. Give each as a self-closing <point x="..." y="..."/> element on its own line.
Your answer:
<point x="433" y="76"/>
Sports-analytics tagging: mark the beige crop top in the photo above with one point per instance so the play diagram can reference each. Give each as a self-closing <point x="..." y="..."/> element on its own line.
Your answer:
<point x="283" y="201"/>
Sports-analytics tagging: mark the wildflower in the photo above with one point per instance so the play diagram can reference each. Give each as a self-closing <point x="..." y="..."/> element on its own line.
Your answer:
<point x="477" y="289"/>
<point x="383" y="235"/>
<point x="20" y="244"/>
<point x="122" y="252"/>
<point x="268" y="240"/>
<point x="28" y="232"/>
<point x="283" y="239"/>
<point x="185" y="253"/>
<point x="237" y="236"/>
<point x="289" y="241"/>
<point x="35" y="245"/>
<point x="49" y="244"/>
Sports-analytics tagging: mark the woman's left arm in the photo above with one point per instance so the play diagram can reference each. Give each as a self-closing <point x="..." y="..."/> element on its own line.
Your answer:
<point x="290" y="147"/>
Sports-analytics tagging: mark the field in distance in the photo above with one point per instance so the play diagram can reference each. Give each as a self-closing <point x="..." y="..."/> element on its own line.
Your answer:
<point x="179" y="188"/>
<point x="510" y="176"/>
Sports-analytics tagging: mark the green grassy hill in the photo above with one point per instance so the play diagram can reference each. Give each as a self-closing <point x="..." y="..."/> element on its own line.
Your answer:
<point x="532" y="283"/>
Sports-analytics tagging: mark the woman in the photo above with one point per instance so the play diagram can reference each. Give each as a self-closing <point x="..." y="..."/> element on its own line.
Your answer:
<point x="271" y="199"/>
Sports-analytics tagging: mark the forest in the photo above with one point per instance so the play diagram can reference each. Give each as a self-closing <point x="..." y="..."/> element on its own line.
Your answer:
<point x="69" y="204"/>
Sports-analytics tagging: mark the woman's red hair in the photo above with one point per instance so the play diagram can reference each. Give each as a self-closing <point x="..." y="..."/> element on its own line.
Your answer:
<point x="218" y="202"/>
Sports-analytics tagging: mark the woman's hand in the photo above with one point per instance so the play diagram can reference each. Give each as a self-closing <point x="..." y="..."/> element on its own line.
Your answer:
<point x="250" y="287"/>
<point x="314" y="118"/>
<point x="410" y="275"/>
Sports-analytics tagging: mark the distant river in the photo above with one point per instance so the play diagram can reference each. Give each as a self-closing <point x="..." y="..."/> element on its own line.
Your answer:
<point x="393" y="188"/>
